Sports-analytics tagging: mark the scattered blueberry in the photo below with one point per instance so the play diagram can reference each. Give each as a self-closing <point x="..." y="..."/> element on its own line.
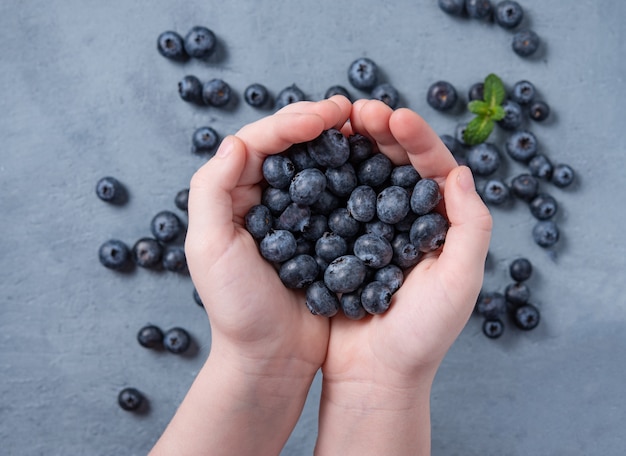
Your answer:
<point x="171" y="46"/>
<point x="176" y="340"/>
<point x="190" y="89"/>
<point x="491" y="305"/>
<point x="526" y="317"/>
<point x="483" y="159"/>
<point x="204" y="139"/>
<point x="147" y="253"/>
<point x="493" y="328"/>
<point x="517" y="293"/>
<point x="181" y="200"/>
<point x="525" y="43"/>
<point x="524" y="186"/>
<point x="150" y="336"/>
<point x="111" y="190"/>
<point x="543" y="206"/>
<point x="522" y="145"/>
<point x="166" y="226"/>
<point x="508" y="14"/>
<point x="540" y="166"/>
<point x="174" y="259"/>
<point x="452" y="7"/>
<point x="197" y="298"/>
<point x="441" y="96"/>
<point x="479" y="9"/>
<point x="520" y="269"/>
<point x="386" y="93"/>
<point x="289" y="95"/>
<point x="363" y="74"/>
<point x="130" y="399"/>
<point x="539" y="111"/>
<point x="562" y="175"/>
<point x="216" y="92"/>
<point x="200" y="42"/>
<point x="546" y="233"/>
<point x="495" y="192"/>
<point x="114" y="254"/>
<point x="337" y="90"/>
<point x="256" y="95"/>
<point x="523" y="91"/>
<point x="512" y="115"/>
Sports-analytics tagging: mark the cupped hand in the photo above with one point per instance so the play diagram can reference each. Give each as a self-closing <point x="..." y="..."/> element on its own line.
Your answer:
<point x="252" y="314"/>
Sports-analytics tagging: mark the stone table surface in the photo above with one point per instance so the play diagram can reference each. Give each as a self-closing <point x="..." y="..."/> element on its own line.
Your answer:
<point x="85" y="94"/>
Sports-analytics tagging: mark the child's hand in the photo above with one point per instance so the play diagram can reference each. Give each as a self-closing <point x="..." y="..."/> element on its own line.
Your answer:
<point x="378" y="371"/>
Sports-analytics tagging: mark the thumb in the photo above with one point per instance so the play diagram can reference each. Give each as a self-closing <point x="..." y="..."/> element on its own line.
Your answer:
<point x="462" y="260"/>
<point x="210" y="204"/>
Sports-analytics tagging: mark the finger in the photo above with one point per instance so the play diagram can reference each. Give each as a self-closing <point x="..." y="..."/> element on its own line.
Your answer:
<point x="210" y="204"/>
<point x="462" y="261"/>
<point x="326" y="108"/>
<point x="372" y="117"/>
<point x="428" y="154"/>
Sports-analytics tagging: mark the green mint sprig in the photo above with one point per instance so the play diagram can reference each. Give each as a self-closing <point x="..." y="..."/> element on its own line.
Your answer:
<point x="488" y="111"/>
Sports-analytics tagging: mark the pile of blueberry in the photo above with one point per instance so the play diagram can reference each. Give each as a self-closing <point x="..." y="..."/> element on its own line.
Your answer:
<point x="508" y="14"/>
<point x="339" y="220"/>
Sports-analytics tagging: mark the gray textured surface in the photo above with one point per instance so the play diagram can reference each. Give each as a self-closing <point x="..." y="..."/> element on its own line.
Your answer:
<point x="85" y="94"/>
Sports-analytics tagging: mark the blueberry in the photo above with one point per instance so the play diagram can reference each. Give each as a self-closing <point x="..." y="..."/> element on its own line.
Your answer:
<point x="546" y="233"/>
<point x="479" y="9"/>
<point x="278" y="170"/>
<point x="361" y="148"/>
<point x="363" y="74"/>
<point x="299" y="271"/>
<point x="147" y="253"/>
<point x="111" y="190"/>
<point x="405" y="176"/>
<point x="320" y="300"/>
<point x="341" y="180"/>
<point x="205" y="139"/>
<point x="307" y="186"/>
<point x="540" y="166"/>
<point x="341" y="222"/>
<point x="405" y="254"/>
<point x="520" y="269"/>
<point x="524" y="186"/>
<point x="526" y="317"/>
<point x="375" y="251"/>
<point x="381" y="229"/>
<point x="289" y="95"/>
<point x="326" y="203"/>
<point x="361" y="204"/>
<point x="517" y="293"/>
<point x="330" y="246"/>
<point x="376" y="297"/>
<point x="495" y="192"/>
<point x="278" y="246"/>
<point x="300" y="157"/>
<point x="405" y="224"/>
<point x="375" y="170"/>
<point x="114" y="254"/>
<point x="512" y="115"/>
<point x="491" y="304"/>
<point x="150" y="336"/>
<point x="337" y="90"/>
<point x="345" y="274"/>
<point x="181" y="200"/>
<point x="317" y="226"/>
<point x="330" y="149"/>
<point x="351" y="305"/>
<point x="425" y="196"/>
<point x="176" y="340"/>
<point x="543" y="206"/>
<point x="483" y="159"/>
<point x="508" y="14"/>
<point x="562" y="175"/>
<point x="493" y="327"/>
<point x="200" y="42"/>
<point x="174" y="259"/>
<point x="522" y="145"/>
<point x="459" y="133"/>
<point x="216" y="92"/>
<point x="452" y="7"/>
<point x="386" y="93"/>
<point x="428" y="232"/>
<point x="455" y="147"/>
<point x="258" y="221"/>
<point x="171" y="46"/>
<point x="295" y="218"/>
<point x="256" y="95"/>
<point x="539" y="111"/>
<point x="190" y="89"/>
<point x="391" y="275"/>
<point x="392" y="204"/>
<point x="476" y="91"/>
<point x="276" y="200"/>
<point x="130" y="399"/>
<point x="523" y="92"/>
<point x="525" y="43"/>
<point x="441" y="96"/>
<point x="166" y="226"/>
<point x="197" y="298"/>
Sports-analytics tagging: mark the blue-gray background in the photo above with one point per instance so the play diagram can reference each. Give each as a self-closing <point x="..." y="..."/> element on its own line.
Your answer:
<point x="84" y="94"/>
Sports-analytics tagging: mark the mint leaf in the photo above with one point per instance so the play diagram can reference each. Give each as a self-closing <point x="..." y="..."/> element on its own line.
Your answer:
<point x="479" y="108"/>
<point x="498" y="113"/>
<point x="494" y="91"/>
<point x="478" y="130"/>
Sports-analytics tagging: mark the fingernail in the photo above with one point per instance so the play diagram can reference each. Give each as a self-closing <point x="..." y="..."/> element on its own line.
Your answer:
<point x="225" y="148"/>
<point x="465" y="179"/>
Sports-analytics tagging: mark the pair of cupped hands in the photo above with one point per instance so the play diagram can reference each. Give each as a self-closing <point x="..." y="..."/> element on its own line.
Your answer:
<point x="265" y="329"/>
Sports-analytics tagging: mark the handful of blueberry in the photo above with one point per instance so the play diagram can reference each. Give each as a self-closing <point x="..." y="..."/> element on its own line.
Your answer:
<point x="341" y="221"/>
